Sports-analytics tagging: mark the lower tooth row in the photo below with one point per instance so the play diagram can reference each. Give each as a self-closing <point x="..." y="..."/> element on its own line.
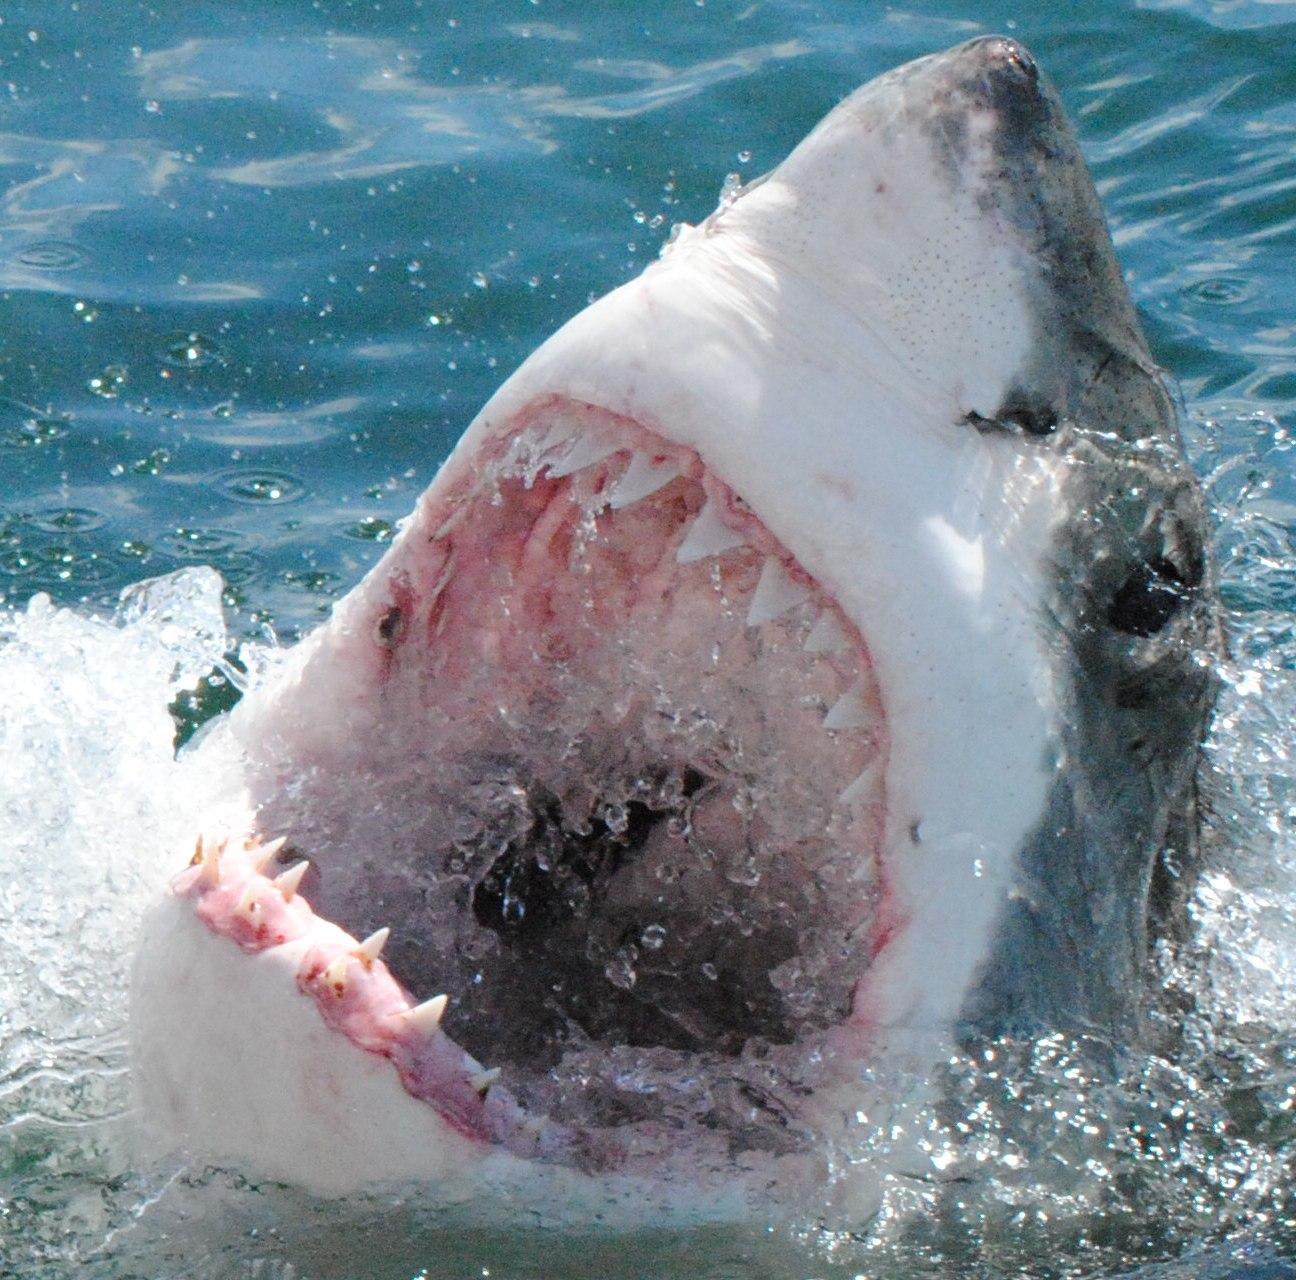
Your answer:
<point x="424" y="1019"/>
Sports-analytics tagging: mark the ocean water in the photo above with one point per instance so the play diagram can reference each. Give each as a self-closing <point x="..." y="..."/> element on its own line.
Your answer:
<point x="259" y="266"/>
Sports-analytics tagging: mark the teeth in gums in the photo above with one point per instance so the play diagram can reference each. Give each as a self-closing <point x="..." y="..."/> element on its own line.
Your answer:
<point x="442" y="579"/>
<point x="263" y="855"/>
<point x="707" y="536"/>
<point x="827" y="635"/>
<point x="584" y="453"/>
<point x="850" y="711"/>
<point x="208" y="857"/>
<point x="248" y="904"/>
<point x="776" y="592"/>
<point x="426" y="1017"/>
<point x="449" y="523"/>
<point x="862" y="787"/>
<point x="371" y="948"/>
<point x="557" y="435"/>
<point x="642" y="477"/>
<point x="288" y="882"/>
<point x="335" y="976"/>
<point x="483" y="1080"/>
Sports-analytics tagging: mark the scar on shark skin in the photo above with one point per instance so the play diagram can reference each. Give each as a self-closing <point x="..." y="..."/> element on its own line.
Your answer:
<point x="803" y="656"/>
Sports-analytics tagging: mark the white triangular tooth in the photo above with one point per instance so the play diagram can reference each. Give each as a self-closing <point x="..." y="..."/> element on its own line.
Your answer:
<point x="827" y="635"/>
<point x="209" y="875"/>
<point x="863" y="786"/>
<point x="776" y="592"/>
<point x="555" y="437"/>
<point x="372" y="947"/>
<point x="263" y="854"/>
<point x="335" y="976"/>
<point x="584" y="453"/>
<point x="850" y="711"/>
<point x="288" y="882"/>
<point x="642" y="477"/>
<point x="482" y="1080"/>
<point x="426" y="1017"/>
<point x="443" y="579"/>
<point x="450" y="522"/>
<point x="708" y="536"/>
<point x="247" y="903"/>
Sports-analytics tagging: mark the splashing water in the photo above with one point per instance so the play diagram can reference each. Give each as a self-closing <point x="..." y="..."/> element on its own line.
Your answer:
<point x="1046" y="1157"/>
<point x="1056" y="1149"/>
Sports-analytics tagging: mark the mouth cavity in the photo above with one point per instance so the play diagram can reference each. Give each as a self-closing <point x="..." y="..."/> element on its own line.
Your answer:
<point x="593" y="854"/>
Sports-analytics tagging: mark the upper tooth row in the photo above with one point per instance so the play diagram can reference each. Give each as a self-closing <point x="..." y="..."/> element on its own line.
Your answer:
<point x="642" y="477"/>
<point x="776" y="592"/>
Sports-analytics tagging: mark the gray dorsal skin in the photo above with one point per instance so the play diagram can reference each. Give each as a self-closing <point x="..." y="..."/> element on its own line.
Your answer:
<point x="1133" y="588"/>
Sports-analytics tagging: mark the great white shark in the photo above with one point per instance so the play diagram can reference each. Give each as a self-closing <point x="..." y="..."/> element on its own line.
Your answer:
<point x="808" y="646"/>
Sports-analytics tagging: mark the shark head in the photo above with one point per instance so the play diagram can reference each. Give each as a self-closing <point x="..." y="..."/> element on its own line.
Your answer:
<point x="811" y="641"/>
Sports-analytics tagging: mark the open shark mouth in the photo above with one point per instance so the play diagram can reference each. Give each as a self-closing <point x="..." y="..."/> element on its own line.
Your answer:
<point x="807" y="647"/>
<point x="614" y="831"/>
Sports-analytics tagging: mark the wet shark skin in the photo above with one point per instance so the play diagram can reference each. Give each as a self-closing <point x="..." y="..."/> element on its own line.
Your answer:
<point x="910" y="351"/>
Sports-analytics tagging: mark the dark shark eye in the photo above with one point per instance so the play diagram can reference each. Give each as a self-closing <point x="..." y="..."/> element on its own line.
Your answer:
<point x="1017" y="416"/>
<point x="1149" y="598"/>
<point x="1033" y="420"/>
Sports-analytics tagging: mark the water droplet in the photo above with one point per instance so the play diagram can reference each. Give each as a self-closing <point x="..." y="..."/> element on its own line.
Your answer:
<point x="730" y="189"/>
<point x="315" y="582"/>
<point x="653" y="937"/>
<point x="50" y="255"/>
<point x="109" y="383"/>
<point x="17" y="561"/>
<point x="22" y="427"/>
<point x="257" y="486"/>
<point x="620" y="970"/>
<point x="370" y="529"/>
<point x="1220" y="291"/>
<point x="190" y="351"/>
<point x="199" y="543"/>
<point x="68" y="520"/>
<point x="151" y="464"/>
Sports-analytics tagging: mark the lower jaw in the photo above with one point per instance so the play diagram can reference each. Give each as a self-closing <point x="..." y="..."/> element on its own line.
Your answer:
<point x="609" y="766"/>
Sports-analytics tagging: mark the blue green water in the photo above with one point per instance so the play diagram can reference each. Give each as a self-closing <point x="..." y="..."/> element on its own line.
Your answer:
<point x="260" y="263"/>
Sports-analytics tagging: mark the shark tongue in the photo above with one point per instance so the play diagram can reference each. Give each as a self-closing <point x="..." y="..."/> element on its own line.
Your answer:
<point x="612" y="765"/>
